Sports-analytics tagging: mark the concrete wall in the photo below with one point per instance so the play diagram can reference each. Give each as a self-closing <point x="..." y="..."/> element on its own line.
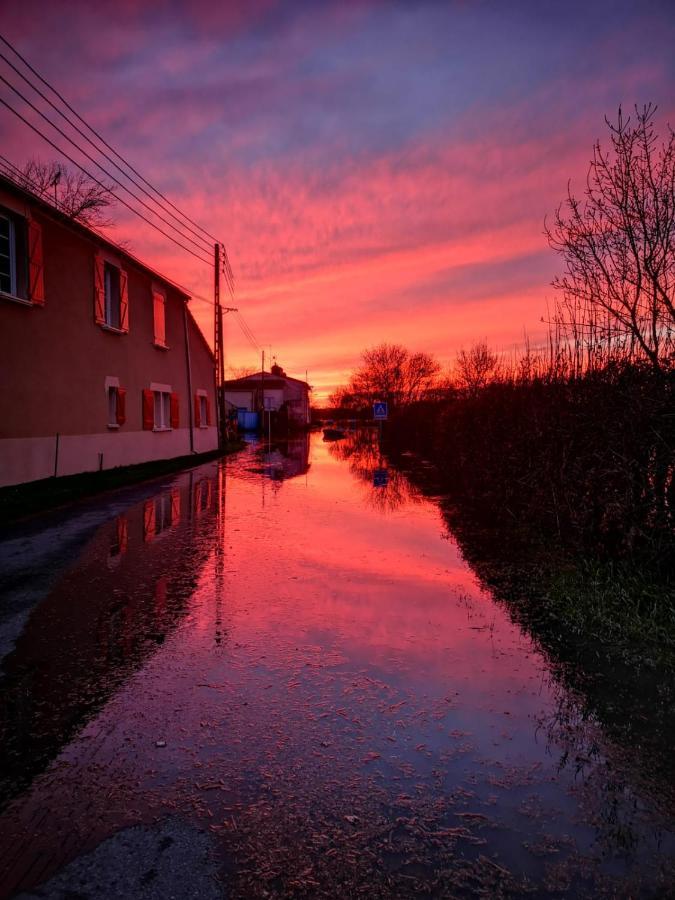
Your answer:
<point x="55" y="362"/>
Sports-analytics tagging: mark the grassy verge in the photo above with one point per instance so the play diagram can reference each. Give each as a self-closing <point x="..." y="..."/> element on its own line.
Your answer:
<point x="22" y="500"/>
<point x="619" y="608"/>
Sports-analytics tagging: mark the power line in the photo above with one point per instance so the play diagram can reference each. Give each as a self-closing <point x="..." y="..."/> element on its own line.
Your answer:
<point x="202" y="247"/>
<point x="100" y="183"/>
<point x="247" y="332"/>
<point x="101" y="138"/>
<point x="18" y="176"/>
<point x="103" y="153"/>
<point x="102" y="168"/>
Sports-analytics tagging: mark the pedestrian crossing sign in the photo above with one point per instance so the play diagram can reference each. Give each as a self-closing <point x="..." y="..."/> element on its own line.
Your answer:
<point x="380" y="410"/>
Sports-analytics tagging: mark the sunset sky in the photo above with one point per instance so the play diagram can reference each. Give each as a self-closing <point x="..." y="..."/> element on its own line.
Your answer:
<point x="377" y="170"/>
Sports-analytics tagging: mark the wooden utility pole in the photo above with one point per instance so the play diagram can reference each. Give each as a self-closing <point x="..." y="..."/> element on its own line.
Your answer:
<point x="219" y="347"/>
<point x="219" y="357"/>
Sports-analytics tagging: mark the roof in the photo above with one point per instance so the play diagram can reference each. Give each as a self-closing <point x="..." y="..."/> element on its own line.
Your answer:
<point x="261" y="380"/>
<point x="85" y="230"/>
<point x="251" y="383"/>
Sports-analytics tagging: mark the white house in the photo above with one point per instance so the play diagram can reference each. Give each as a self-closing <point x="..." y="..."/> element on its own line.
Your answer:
<point x="274" y="391"/>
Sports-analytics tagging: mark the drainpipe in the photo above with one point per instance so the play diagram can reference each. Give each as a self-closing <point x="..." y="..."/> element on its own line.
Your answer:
<point x="189" y="377"/>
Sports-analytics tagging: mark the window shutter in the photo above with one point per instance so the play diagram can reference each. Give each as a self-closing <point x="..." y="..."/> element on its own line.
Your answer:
<point x="174" y="411"/>
<point x="209" y="420"/>
<point x="149" y="520"/>
<point x="99" y="290"/>
<point x="175" y="506"/>
<point x="198" y="420"/>
<point x="36" y="278"/>
<point x="148" y="410"/>
<point x="124" y="301"/>
<point x="122" y="533"/>
<point x="159" y="313"/>
<point x="121" y="405"/>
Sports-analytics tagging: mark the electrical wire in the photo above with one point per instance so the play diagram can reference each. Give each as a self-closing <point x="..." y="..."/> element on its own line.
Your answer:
<point x="15" y="174"/>
<point x="102" y="139"/>
<point x="98" y="164"/>
<point x="203" y="247"/>
<point x="247" y="332"/>
<point x="100" y="183"/>
<point x="207" y="245"/>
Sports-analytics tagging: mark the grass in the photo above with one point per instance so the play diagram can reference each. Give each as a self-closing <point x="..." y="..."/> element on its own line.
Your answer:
<point x="620" y="608"/>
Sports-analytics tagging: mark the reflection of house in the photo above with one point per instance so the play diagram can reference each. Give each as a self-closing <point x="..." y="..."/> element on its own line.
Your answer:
<point x="275" y="391"/>
<point x="102" y="363"/>
<point x="283" y="459"/>
<point x="80" y="643"/>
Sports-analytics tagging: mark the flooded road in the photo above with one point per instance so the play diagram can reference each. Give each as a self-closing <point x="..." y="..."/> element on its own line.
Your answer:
<point x="286" y="651"/>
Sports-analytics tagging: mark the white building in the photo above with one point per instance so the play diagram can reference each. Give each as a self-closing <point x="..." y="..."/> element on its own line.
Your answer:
<point x="273" y="391"/>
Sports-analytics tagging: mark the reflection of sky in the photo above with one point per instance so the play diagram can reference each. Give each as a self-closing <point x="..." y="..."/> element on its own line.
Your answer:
<point x="358" y="655"/>
<point x="386" y="166"/>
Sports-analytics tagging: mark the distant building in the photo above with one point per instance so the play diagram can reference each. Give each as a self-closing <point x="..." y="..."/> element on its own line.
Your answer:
<point x="274" y="391"/>
<point x="102" y="363"/>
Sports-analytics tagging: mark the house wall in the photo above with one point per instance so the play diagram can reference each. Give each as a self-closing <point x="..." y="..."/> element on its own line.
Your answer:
<point x="55" y="360"/>
<point x="297" y="397"/>
<point x="244" y="399"/>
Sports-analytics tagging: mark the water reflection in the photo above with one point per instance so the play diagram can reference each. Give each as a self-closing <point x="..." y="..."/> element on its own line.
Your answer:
<point x="386" y="488"/>
<point x="279" y="460"/>
<point x="100" y="622"/>
<point x="317" y="678"/>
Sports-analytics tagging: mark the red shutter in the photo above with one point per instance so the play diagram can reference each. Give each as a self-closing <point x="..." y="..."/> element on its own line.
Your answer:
<point x="159" y="313"/>
<point x="175" y="506"/>
<point x="99" y="290"/>
<point x="209" y="420"/>
<point x="148" y="410"/>
<point x="122" y="533"/>
<point x="121" y="406"/>
<point x="149" y="520"/>
<point x="124" y="301"/>
<point x="36" y="278"/>
<point x="198" y="420"/>
<point x="175" y="421"/>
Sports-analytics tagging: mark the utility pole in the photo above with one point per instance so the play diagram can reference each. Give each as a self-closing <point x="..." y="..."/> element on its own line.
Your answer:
<point x="218" y="348"/>
<point x="219" y="359"/>
<point x="262" y="392"/>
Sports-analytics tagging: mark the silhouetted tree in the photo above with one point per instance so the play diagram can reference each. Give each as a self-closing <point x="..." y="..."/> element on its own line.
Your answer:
<point x="476" y="367"/>
<point x="72" y="192"/>
<point x="389" y="372"/>
<point x="618" y="242"/>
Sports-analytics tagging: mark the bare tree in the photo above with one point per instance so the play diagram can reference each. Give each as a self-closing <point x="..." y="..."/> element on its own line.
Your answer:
<point x="392" y="373"/>
<point x="72" y="192"/>
<point x="240" y="371"/>
<point x="618" y="243"/>
<point x="476" y="367"/>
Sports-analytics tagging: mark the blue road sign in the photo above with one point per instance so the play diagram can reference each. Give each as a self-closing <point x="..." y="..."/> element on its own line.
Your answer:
<point x="380" y="410"/>
<point x="380" y="478"/>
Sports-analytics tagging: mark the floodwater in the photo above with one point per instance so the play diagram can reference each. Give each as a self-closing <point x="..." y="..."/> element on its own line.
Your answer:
<point x="287" y="650"/>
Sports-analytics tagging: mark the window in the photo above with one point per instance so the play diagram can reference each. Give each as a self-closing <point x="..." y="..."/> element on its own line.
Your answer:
<point x="111" y="296"/>
<point x="112" y="407"/>
<point x="162" y="416"/>
<point x="116" y="402"/>
<point x="159" y="307"/>
<point x="7" y="256"/>
<point x="14" y="256"/>
<point x="202" y="409"/>
<point x="160" y="409"/>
